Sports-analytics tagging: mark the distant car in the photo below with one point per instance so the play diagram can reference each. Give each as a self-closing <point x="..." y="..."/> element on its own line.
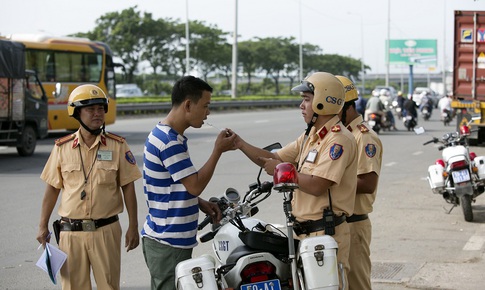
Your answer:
<point x="434" y="96"/>
<point x="128" y="90"/>
<point x="392" y="91"/>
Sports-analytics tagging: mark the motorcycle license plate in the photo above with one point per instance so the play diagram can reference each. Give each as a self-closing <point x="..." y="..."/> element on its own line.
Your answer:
<point x="371" y="123"/>
<point x="263" y="285"/>
<point x="461" y="175"/>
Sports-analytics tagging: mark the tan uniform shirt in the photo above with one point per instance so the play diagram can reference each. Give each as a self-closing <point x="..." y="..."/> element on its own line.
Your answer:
<point x="369" y="154"/>
<point x="113" y="165"/>
<point x="329" y="153"/>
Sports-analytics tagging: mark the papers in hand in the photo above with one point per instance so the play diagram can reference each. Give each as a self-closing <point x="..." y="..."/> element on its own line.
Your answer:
<point x="51" y="261"/>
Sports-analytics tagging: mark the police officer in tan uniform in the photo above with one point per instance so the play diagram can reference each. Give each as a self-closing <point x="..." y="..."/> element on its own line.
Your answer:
<point x="325" y="156"/>
<point x="94" y="171"/>
<point x="369" y="152"/>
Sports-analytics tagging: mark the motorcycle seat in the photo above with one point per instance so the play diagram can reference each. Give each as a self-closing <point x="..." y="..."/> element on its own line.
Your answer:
<point x="239" y="252"/>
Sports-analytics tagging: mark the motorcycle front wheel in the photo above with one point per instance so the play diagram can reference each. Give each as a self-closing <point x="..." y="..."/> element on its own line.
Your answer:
<point x="466" y="206"/>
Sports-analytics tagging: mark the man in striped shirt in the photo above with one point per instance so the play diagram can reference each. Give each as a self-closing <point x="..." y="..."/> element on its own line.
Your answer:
<point x="172" y="184"/>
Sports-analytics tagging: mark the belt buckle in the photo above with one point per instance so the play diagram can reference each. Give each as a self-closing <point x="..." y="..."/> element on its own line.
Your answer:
<point x="88" y="226"/>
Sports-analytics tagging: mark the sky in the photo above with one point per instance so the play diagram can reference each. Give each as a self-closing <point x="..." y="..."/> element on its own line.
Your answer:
<point x="335" y="26"/>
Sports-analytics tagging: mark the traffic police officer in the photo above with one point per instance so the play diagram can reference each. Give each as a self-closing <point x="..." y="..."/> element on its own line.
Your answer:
<point x="91" y="169"/>
<point x="325" y="156"/>
<point x="369" y="152"/>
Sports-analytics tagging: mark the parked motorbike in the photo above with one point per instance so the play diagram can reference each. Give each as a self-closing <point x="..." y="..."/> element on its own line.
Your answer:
<point x="459" y="176"/>
<point x="253" y="254"/>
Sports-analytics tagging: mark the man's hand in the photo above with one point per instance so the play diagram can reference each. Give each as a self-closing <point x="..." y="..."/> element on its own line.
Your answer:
<point x="211" y="209"/>
<point x="132" y="238"/>
<point x="225" y="141"/>
<point x="269" y="164"/>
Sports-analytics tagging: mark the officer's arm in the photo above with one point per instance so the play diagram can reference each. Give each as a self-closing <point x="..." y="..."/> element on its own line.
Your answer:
<point x="49" y="201"/>
<point x="132" y="238"/>
<point x="255" y="153"/>
<point x="313" y="185"/>
<point x="367" y="183"/>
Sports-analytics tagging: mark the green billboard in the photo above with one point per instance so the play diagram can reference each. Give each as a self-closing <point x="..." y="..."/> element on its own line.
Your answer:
<point x="413" y="51"/>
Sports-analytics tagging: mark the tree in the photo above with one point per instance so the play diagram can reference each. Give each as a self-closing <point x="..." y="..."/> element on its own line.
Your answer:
<point x="206" y="45"/>
<point x="247" y="54"/>
<point x="272" y="55"/>
<point x="124" y="33"/>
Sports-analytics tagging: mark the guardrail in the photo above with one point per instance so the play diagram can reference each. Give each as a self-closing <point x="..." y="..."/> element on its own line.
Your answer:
<point x="215" y="105"/>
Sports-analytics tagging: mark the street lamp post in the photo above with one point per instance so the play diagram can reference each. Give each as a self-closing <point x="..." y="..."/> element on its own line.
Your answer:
<point x="362" y="65"/>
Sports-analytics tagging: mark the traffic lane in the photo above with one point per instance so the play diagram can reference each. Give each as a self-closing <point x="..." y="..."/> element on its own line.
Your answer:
<point x="410" y="226"/>
<point x="22" y="191"/>
<point x="408" y="222"/>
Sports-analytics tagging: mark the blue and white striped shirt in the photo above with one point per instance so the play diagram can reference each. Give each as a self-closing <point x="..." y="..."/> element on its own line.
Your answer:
<point x="173" y="212"/>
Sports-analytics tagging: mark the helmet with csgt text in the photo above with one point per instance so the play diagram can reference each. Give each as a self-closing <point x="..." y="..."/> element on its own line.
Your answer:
<point x="350" y="90"/>
<point x="328" y="92"/>
<point x="86" y="95"/>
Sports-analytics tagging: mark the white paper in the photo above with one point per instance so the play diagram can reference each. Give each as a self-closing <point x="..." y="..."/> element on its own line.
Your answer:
<point x="54" y="263"/>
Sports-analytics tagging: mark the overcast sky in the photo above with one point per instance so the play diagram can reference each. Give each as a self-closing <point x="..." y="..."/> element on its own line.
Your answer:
<point x="335" y="25"/>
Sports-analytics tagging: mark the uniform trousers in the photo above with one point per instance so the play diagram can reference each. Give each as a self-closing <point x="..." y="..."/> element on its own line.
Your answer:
<point x="99" y="250"/>
<point x="342" y="237"/>
<point x="359" y="258"/>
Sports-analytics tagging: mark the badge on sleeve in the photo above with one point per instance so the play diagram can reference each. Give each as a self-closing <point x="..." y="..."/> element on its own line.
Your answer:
<point x="312" y="155"/>
<point x="370" y="150"/>
<point x="130" y="158"/>
<point x="336" y="151"/>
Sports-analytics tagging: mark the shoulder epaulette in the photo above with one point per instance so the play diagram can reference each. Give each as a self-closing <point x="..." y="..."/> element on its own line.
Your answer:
<point x="115" y="137"/>
<point x="363" y="128"/>
<point x="65" y="139"/>
<point x="336" y="128"/>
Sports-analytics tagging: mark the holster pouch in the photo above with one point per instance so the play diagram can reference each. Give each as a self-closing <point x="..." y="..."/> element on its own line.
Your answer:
<point x="56" y="227"/>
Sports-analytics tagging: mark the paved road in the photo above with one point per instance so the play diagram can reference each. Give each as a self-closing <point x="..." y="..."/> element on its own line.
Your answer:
<point x="415" y="244"/>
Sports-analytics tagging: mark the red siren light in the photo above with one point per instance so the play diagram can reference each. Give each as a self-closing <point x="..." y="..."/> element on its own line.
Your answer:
<point x="285" y="177"/>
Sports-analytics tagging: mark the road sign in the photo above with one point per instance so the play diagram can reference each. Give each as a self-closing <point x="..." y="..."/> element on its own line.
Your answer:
<point x="413" y="51"/>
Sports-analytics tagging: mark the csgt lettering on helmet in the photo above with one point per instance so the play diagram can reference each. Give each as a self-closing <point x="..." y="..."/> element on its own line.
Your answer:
<point x="349" y="87"/>
<point x="334" y="100"/>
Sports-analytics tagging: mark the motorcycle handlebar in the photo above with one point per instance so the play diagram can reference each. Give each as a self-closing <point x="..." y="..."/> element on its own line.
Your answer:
<point x="204" y="223"/>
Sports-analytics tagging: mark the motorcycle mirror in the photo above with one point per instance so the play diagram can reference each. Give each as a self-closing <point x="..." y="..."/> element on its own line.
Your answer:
<point x="419" y="130"/>
<point x="273" y="147"/>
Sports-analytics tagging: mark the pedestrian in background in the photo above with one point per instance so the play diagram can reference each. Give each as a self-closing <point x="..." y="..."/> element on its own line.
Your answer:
<point x="94" y="171"/>
<point x="173" y="185"/>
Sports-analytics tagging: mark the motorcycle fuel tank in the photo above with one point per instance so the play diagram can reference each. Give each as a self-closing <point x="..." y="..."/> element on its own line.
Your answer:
<point x="227" y="239"/>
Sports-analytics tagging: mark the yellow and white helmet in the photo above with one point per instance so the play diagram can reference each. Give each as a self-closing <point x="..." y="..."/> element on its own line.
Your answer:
<point x="86" y="95"/>
<point x="350" y="90"/>
<point x="328" y="92"/>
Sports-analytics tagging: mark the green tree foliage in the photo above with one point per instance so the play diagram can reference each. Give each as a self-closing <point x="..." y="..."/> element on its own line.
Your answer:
<point x="137" y="37"/>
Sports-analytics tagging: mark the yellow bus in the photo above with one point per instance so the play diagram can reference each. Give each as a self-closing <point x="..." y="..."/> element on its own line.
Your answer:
<point x="69" y="62"/>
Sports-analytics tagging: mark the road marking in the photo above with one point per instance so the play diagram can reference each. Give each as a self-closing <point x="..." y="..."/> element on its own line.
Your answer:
<point x="391" y="164"/>
<point x="261" y="121"/>
<point x="418" y="153"/>
<point x="476" y="241"/>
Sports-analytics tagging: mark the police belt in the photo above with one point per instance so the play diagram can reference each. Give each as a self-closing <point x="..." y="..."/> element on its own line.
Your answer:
<point x="357" y="218"/>
<point x="308" y="227"/>
<point x="75" y="225"/>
